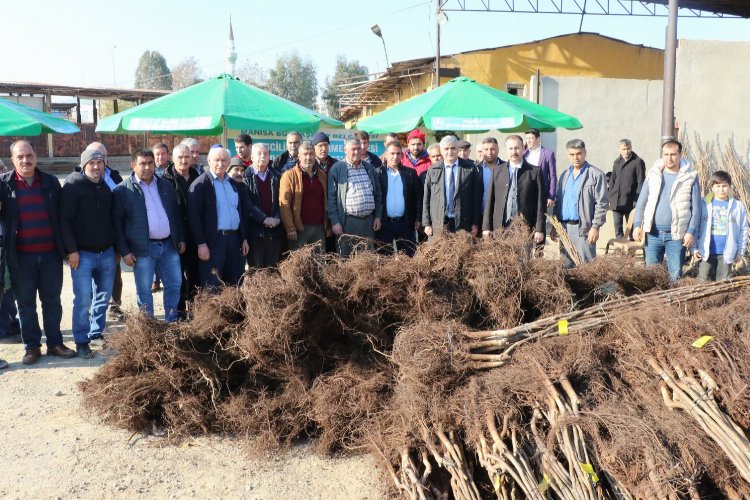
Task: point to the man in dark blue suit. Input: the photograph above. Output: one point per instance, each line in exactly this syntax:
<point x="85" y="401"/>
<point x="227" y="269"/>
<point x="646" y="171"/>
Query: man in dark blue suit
<point x="218" y="221"/>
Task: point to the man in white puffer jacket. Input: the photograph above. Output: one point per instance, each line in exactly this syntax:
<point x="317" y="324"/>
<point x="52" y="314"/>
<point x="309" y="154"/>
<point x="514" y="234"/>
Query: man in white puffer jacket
<point x="669" y="209"/>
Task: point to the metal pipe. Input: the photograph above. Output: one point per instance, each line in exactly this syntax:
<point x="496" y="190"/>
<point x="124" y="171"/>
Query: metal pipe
<point x="670" y="68"/>
<point x="437" y="45"/>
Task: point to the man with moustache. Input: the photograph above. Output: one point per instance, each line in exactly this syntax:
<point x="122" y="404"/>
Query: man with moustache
<point x="33" y="250"/>
<point x="217" y="217"/>
<point x="89" y="238"/>
<point x="263" y="210"/>
<point x="288" y="158"/>
<point x="581" y="203"/>
<point x="149" y="233"/>
<point x="303" y="201"/>
<point x="181" y="175"/>
<point x="402" y="203"/>
<point x="354" y="199"/>
<point x="195" y="153"/>
<point x="452" y="193"/>
<point x="112" y="177"/>
<point x="322" y="143"/>
<point x="516" y="188"/>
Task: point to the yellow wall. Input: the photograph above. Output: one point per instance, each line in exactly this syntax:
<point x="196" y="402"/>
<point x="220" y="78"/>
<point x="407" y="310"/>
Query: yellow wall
<point x="580" y="54"/>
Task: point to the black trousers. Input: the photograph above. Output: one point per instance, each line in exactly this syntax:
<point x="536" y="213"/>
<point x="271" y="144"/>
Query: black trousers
<point x="399" y="230"/>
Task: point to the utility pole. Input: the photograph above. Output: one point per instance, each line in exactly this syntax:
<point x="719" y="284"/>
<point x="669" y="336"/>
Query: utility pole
<point x="670" y="68"/>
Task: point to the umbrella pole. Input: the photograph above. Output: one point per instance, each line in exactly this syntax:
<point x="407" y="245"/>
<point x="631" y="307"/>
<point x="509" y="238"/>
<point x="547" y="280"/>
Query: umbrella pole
<point x="224" y="140"/>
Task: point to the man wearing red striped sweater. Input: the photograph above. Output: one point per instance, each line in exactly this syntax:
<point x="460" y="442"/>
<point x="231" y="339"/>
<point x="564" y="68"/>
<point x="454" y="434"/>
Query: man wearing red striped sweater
<point x="33" y="250"/>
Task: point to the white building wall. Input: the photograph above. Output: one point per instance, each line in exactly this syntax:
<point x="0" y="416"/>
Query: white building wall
<point x="713" y="93"/>
<point x="610" y="110"/>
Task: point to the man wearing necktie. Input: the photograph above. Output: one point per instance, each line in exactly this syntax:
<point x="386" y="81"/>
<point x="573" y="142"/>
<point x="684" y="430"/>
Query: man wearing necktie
<point x="452" y="193"/>
<point x="516" y="188"/>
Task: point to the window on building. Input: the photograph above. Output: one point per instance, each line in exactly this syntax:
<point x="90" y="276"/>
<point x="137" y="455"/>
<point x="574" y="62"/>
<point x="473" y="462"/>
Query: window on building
<point x="518" y="89"/>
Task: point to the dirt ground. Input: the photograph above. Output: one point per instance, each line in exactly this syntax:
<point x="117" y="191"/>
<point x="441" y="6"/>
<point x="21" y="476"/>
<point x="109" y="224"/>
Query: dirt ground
<point x="50" y="448"/>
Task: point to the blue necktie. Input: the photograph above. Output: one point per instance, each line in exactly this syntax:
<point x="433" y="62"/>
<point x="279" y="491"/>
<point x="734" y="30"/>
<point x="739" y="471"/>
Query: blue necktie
<point x="451" y="188"/>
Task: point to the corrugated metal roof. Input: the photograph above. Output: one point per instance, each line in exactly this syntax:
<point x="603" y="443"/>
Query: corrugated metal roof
<point x="83" y="92"/>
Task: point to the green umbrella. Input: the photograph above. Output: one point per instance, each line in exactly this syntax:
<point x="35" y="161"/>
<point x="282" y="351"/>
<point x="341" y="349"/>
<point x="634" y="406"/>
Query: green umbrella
<point x="465" y="105"/>
<point x="211" y="107"/>
<point x="18" y="120"/>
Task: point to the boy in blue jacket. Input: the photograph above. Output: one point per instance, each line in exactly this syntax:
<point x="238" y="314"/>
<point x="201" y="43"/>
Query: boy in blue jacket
<point x="722" y="240"/>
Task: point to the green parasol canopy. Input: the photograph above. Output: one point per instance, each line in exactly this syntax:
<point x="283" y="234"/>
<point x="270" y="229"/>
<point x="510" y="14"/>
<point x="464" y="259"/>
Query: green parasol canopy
<point x="211" y="107"/>
<point x="17" y="119"/>
<point x="465" y="105"/>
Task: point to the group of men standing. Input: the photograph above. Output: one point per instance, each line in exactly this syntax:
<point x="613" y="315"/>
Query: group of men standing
<point x="193" y="226"/>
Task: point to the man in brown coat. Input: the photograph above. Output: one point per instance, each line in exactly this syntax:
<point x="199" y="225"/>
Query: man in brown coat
<point x="302" y="201"/>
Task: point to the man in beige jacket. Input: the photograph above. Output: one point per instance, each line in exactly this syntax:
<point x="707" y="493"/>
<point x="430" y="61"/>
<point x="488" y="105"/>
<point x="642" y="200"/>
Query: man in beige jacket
<point x="302" y="201"/>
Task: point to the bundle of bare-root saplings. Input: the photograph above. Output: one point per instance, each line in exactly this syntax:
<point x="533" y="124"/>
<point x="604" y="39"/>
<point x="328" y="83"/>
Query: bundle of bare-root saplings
<point x="472" y="370"/>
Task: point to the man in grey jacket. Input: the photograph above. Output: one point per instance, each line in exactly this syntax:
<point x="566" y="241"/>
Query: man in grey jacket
<point x="581" y="203"/>
<point x="354" y="199"/>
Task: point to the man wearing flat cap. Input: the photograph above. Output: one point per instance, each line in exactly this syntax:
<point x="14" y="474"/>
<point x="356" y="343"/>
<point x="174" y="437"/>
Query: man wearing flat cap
<point x="88" y="236"/>
<point x="321" y="143"/>
<point x="464" y="149"/>
<point x="416" y="155"/>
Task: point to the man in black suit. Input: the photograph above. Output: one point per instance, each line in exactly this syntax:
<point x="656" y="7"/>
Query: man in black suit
<point x="402" y="203"/>
<point x="217" y="217"/>
<point x="516" y="188"/>
<point x="452" y="193"/>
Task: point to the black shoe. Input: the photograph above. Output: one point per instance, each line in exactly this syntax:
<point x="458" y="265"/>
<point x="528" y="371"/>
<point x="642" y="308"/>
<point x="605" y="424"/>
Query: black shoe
<point x="3" y="364"/>
<point x="84" y="351"/>
<point x="117" y="313"/>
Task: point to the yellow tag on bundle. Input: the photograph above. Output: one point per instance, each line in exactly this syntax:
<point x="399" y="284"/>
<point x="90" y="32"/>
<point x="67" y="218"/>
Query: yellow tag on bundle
<point x="589" y="469"/>
<point x="702" y="341"/>
<point x="496" y="482"/>
<point x="562" y="327"/>
<point x="544" y="484"/>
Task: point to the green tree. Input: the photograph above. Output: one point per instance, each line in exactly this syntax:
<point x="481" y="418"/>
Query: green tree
<point x="106" y="107"/>
<point x="345" y="72"/>
<point x="186" y="73"/>
<point x="294" y="78"/>
<point x="153" y="72"/>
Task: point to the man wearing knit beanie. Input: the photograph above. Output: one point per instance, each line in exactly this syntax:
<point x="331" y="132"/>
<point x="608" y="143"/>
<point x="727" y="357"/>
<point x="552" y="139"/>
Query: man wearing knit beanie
<point x="321" y="143"/>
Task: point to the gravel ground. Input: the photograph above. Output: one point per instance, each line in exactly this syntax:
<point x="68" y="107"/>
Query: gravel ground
<point x="50" y="447"/>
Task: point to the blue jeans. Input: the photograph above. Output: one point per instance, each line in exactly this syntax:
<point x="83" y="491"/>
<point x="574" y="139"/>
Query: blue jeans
<point x="92" y="288"/>
<point x="39" y="273"/>
<point x="660" y="243"/>
<point x="164" y="257"/>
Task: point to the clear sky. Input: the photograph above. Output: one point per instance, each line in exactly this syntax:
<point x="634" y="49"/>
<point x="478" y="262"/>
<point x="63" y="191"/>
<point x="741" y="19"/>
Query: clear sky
<point x="98" y="43"/>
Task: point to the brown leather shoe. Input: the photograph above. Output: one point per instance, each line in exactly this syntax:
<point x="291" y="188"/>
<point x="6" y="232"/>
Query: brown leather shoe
<point x="32" y="356"/>
<point x="62" y="351"/>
